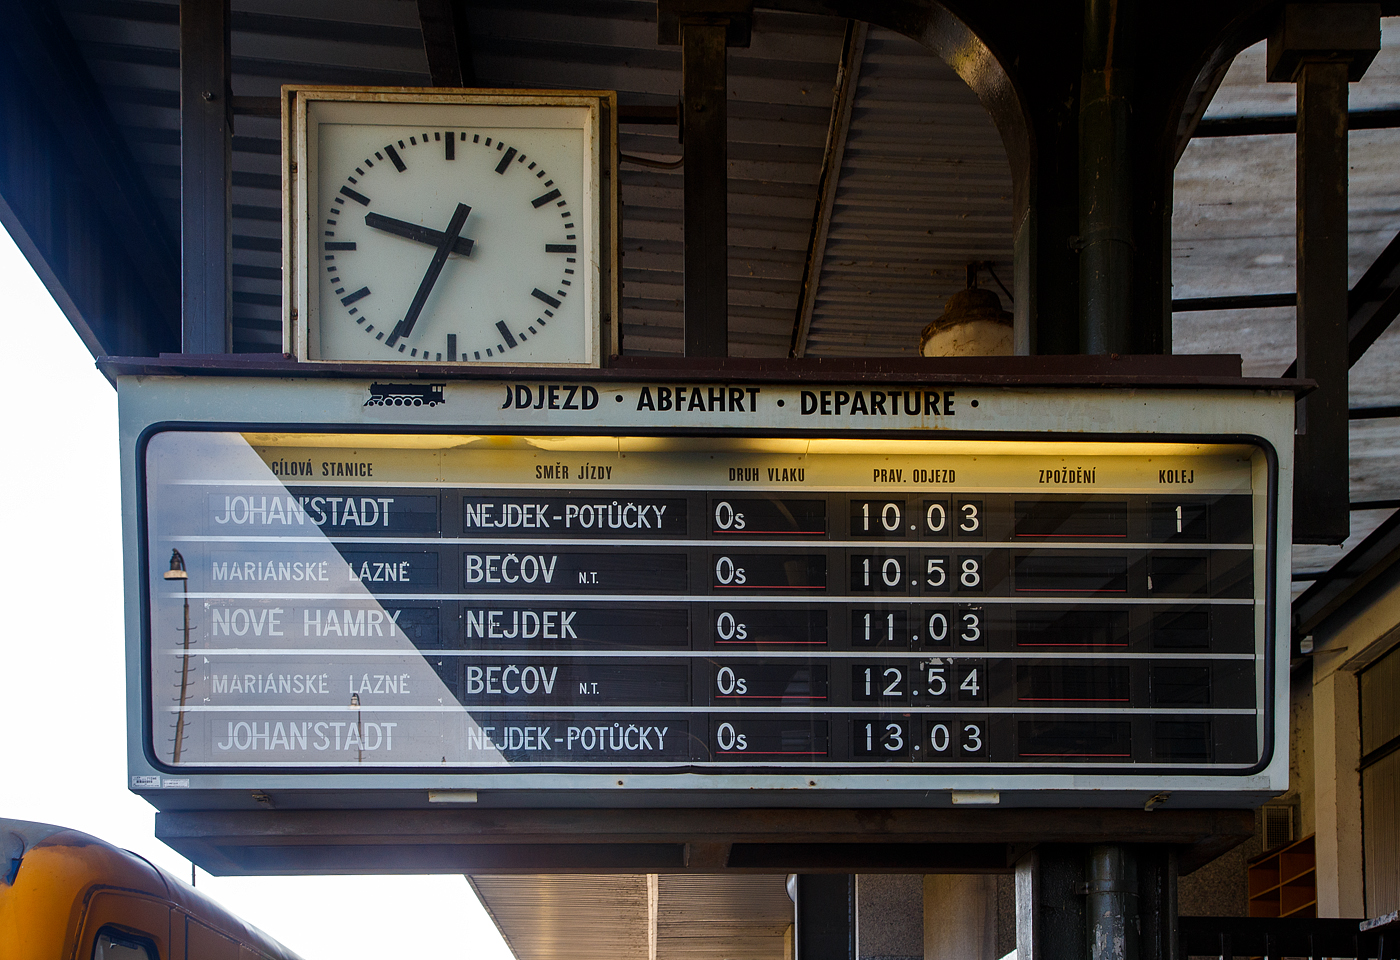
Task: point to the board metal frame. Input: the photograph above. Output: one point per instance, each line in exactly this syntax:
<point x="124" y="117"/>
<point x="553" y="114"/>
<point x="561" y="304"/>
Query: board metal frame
<point x="145" y="401"/>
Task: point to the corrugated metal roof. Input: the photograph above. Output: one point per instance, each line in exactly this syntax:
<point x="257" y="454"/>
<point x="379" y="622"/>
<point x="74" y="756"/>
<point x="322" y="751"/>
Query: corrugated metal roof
<point x="576" y="917"/>
<point x="780" y="92"/>
<point x="699" y="917"/>
<point x="925" y="187"/>
<point x="132" y="49"/>
<point x="780" y="100"/>
<point x="730" y="917"/>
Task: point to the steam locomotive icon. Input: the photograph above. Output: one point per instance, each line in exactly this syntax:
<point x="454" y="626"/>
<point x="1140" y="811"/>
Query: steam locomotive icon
<point x="405" y="395"/>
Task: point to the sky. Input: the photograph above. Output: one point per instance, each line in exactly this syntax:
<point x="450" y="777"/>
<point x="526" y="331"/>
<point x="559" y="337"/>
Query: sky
<point x="62" y="747"/>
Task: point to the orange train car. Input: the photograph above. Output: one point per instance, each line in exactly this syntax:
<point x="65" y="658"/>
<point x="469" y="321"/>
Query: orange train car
<point x="65" y="895"/>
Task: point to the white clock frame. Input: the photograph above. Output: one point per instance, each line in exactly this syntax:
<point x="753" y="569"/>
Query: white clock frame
<point x="305" y="107"/>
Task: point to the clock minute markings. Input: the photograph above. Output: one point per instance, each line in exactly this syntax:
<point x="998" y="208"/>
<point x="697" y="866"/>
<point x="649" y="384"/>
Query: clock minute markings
<point x="394" y="157"/>
<point x="505" y="332"/>
<point x="453" y="242"/>
<point x="539" y="294"/>
<point x="359" y="198"/>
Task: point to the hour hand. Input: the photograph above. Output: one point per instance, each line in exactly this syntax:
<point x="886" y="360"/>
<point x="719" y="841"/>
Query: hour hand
<point x="412" y="231"/>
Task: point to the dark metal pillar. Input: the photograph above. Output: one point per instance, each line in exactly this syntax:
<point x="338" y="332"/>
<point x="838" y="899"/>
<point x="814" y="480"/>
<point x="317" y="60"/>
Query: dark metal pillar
<point x="1102" y="902"/>
<point x="825" y="927"/>
<point x="1319" y="47"/>
<point x="1050" y="904"/>
<point x="706" y="145"/>
<point x="1111" y="903"/>
<point x="447" y="42"/>
<point x="1157" y="907"/>
<point x="1105" y="180"/>
<point x="1322" y="502"/>
<point x="206" y="162"/>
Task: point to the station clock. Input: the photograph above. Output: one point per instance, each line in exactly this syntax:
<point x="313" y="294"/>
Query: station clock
<point x="424" y="226"/>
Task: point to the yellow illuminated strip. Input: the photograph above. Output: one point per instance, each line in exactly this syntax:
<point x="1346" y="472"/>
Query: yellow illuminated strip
<point x="758" y="463"/>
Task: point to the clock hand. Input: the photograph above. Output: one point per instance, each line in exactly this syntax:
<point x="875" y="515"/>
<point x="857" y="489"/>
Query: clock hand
<point x="412" y="231"/>
<point x="425" y="287"/>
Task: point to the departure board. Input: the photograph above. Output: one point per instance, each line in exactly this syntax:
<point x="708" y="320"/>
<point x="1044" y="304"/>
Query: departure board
<point x="438" y="601"/>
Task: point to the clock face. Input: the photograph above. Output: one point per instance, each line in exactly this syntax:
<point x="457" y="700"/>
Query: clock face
<point x="451" y="244"/>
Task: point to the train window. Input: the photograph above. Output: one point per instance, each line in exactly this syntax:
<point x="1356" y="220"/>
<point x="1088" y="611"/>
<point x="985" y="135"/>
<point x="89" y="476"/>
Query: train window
<point x="111" y="945"/>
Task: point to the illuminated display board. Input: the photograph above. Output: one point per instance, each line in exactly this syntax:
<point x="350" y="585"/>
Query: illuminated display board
<point x="624" y="600"/>
<point x="921" y="608"/>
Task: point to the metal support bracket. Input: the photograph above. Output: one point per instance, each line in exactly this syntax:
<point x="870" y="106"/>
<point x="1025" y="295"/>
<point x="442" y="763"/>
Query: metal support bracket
<point x="206" y="175"/>
<point x="736" y="15"/>
<point x="1321" y="48"/>
<point x="705" y="29"/>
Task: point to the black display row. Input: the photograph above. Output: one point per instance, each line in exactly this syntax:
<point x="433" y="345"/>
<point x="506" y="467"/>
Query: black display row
<point x="540" y="681"/>
<point x="1170" y="517"/>
<point x="911" y="738"/>
<point x="655" y="571"/>
<point x="996" y="626"/>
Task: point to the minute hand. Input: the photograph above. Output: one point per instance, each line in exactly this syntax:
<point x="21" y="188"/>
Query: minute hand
<point x="405" y="326"/>
<point x="412" y="231"/>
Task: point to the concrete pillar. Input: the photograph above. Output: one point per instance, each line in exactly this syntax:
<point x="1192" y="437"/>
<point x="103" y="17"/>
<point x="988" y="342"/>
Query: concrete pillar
<point x="960" y="917"/>
<point x="889" y="917"/>
<point x="653" y="912"/>
<point x="1337" y="806"/>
